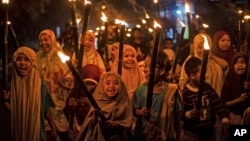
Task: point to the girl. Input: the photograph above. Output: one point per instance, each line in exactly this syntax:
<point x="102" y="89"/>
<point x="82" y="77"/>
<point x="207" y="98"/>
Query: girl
<point x="130" y="69"/>
<point x="90" y="55"/>
<point x="30" y="101"/>
<point x="233" y="92"/>
<point x="164" y="121"/>
<point x="112" y="98"/>
<point x="56" y="75"/>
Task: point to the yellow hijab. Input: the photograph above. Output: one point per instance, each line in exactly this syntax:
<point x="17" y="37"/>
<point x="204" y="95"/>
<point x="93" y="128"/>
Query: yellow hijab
<point x="25" y="101"/>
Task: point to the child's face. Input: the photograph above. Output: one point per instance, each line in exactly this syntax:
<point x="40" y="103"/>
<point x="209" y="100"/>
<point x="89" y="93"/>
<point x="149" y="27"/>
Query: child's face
<point x="129" y="58"/>
<point x="88" y="43"/>
<point x="224" y="43"/>
<point x="111" y="86"/>
<point x="114" y="51"/>
<point x="200" y="49"/>
<point x="147" y="70"/>
<point x="195" y="77"/>
<point x="90" y="85"/>
<point x="169" y="44"/>
<point x="240" y="66"/>
<point x="23" y="65"/>
<point x="45" y="42"/>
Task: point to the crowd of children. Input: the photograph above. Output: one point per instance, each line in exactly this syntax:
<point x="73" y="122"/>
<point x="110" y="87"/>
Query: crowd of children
<point x="43" y="87"/>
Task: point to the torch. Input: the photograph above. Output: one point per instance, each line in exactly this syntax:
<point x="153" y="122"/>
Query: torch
<point x="79" y="79"/>
<point x="203" y="72"/>
<point x="84" y="30"/>
<point x="74" y="25"/>
<point x="121" y="42"/>
<point x="239" y="30"/>
<point x="157" y="39"/>
<point x="178" y="46"/>
<point x="105" y="36"/>
<point x="5" y="49"/>
<point x="190" y="29"/>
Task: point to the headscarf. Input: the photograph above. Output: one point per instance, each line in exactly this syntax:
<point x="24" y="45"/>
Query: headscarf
<point x="58" y="78"/>
<point x="127" y="74"/>
<point x="91" y="56"/>
<point x="198" y="39"/>
<point x="91" y="72"/>
<point x="233" y="86"/>
<point x="26" y="100"/>
<point x="44" y="58"/>
<point x="226" y="55"/>
<point x="117" y="109"/>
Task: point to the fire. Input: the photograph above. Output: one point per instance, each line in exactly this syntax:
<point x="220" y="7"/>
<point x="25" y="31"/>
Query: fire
<point x="87" y="2"/>
<point x="5" y="1"/>
<point x="182" y="24"/>
<point x="206" y="45"/>
<point x="156" y="25"/>
<point x="104" y="17"/>
<point x="63" y="57"/>
<point x="117" y="21"/>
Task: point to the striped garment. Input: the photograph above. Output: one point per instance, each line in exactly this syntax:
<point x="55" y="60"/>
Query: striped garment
<point x="210" y="106"/>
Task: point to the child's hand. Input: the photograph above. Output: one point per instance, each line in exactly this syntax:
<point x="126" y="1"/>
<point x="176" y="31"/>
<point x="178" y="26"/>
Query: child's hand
<point x="144" y="112"/>
<point x="195" y="113"/>
<point x="83" y="101"/>
<point x="243" y="97"/>
<point x="72" y="101"/>
<point x="246" y="85"/>
<point x="109" y="124"/>
<point x="5" y="95"/>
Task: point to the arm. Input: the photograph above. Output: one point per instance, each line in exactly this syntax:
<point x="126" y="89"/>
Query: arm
<point x="5" y="98"/>
<point x="243" y="97"/>
<point x="48" y="117"/>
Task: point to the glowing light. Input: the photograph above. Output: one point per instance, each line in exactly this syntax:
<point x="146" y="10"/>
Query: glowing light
<point x="187" y="8"/>
<point x="205" y="25"/>
<point x="138" y="26"/>
<point x="104" y="17"/>
<point x="87" y="2"/>
<point x="143" y="21"/>
<point x="63" y="57"/>
<point x="5" y="1"/>
<point x="117" y="21"/>
<point x="182" y="24"/>
<point x="156" y="25"/>
<point x="206" y="45"/>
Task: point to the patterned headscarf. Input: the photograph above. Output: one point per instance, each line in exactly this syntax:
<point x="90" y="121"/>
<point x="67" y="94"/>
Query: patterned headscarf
<point x="25" y="100"/>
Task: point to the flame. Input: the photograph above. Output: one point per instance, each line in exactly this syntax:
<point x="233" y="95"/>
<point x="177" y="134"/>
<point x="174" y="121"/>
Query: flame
<point x="205" y="25"/>
<point x="117" y="21"/>
<point x="147" y="16"/>
<point x="155" y="1"/>
<point x="63" y="57"/>
<point x="5" y="1"/>
<point x="156" y="25"/>
<point x="247" y="17"/>
<point x="187" y="8"/>
<point x="182" y="24"/>
<point x="143" y="21"/>
<point x="104" y="17"/>
<point x="87" y="2"/>
<point x="206" y="45"/>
